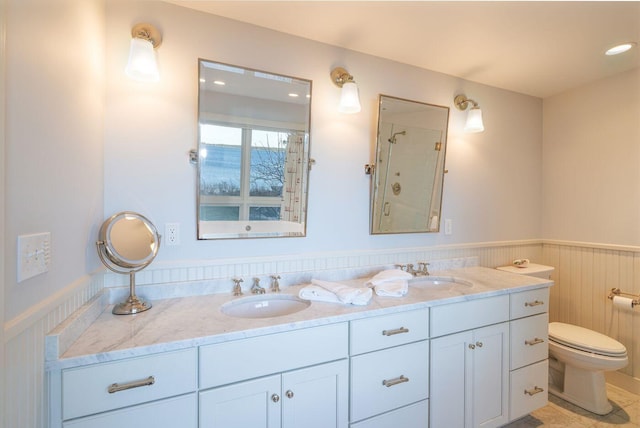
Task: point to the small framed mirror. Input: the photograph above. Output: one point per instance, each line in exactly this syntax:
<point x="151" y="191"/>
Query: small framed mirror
<point x="128" y="242"/>
<point x="408" y="173"/>
<point x="253" y="153"/>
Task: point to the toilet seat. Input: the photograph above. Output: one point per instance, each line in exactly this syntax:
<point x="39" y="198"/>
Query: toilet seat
<point x="585" y="340"/>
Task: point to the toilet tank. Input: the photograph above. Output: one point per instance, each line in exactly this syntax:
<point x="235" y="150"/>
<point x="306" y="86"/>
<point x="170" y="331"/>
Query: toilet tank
<point x="532" y="269"/>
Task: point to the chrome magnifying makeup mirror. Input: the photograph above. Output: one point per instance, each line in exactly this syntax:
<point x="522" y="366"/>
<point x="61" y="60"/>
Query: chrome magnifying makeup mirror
<point x="128" y="242"/>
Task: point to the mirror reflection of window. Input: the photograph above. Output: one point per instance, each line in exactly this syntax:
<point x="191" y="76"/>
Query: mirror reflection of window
<point x="243" y="172"/>
<point x="253" y="152"/>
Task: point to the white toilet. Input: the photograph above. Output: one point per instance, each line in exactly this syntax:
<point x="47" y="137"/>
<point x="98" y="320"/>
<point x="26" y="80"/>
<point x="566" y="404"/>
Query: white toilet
<point x="578" y="358"/>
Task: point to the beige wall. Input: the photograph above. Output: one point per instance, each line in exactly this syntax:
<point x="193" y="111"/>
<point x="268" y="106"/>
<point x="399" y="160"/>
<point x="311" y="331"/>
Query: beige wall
<point x="591" y="179"/>
<point x="591" y="206"/>
<point x="54" y="141"/>
<point x="492" y="191"/>
<point x="3" y="24"/>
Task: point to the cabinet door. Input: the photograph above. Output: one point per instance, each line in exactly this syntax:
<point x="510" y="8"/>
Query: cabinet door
<point x="254" y="403"/>
<point x="448" y="397"/>
<point x="490" y="373"/>
<point x="315" y="397"/>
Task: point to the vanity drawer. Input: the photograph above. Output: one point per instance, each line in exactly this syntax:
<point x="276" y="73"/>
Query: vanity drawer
<point x="412" y="416"/>
<point x="529" y="303"/>
<point x="171" y="412"/>
<point x="529" y="340"/>
<point x="447" y="319"/>
<point x="85" y="390"/>
<point x="385" y="331"/>
<point x="229" y="362"/>
<point x="388" y="379"/>
<point x="528" y="389"/>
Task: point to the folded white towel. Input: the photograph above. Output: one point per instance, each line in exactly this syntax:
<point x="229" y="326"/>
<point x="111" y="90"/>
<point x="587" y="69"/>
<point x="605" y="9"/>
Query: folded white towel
<point x="326" y="291"/>
<point x="389" y="275"/>
<point x="396" y="288"/>
<point x="318" y="294"/>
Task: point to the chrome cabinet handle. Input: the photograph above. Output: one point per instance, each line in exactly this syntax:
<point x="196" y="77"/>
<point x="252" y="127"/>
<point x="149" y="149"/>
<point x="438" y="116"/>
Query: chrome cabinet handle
<point x="534" y="391"/>
<point x="116" y="387"/>
<point x="535" y="341"/>
<point x="534" y="303"/>
<point x="289" y="394"/>
<point x="395" y="331"/>
<point x="275" y="398"/>
<point x="472" y="346"/>
<point x="479" y="344"/>
<point x="396" y="381"/>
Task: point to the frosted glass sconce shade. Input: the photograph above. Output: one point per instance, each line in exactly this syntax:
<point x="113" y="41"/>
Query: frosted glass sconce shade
<point x="474" y="121"/>
<point x="474" y="116"/>
<point x="142" y="64"/>
<point x="349" y="98"/>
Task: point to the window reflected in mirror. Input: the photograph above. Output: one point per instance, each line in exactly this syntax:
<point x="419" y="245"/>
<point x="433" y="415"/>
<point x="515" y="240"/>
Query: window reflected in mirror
<point x="253" y="153"/>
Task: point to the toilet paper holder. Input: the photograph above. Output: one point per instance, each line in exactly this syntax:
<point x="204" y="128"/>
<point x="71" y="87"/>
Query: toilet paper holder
<point x="617" y="292"/>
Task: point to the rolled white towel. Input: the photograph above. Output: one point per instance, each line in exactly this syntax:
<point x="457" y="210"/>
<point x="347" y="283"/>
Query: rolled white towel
<point x="389" y="275"/>
<point x="398" y="288"/>
<point x="344" y="294"/>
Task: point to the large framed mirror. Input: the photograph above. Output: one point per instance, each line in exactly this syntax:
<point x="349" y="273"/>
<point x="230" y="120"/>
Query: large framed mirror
<point x="408" y="173"/>
<point x="253" y="153"/>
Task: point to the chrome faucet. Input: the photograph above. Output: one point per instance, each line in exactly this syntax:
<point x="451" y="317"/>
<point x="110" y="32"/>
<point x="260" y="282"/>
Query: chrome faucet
<point x="275" y="285"/>
<point x="237" y="289"/>
<point x="255" y="288"/>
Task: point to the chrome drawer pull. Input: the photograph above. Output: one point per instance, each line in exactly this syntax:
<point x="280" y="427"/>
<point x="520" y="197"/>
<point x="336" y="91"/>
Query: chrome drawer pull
<point x="534" y="391"/>
<point x="396" y="381"/>
<point x="534" y="341"/>
<point x="396" y="331"/>
<point x="534" y="303"/>
<point x="116" y="387"/>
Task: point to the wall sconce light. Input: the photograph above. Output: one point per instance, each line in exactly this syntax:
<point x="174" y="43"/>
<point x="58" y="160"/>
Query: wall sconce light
<point x="142" y="63"/>
<point x="474" y="116"/>
<point x="349" y="99"/>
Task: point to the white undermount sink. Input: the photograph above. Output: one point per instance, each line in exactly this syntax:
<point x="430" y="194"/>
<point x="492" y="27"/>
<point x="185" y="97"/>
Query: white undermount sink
<point x="440" y="282"/>
<point x="264" y="306"/>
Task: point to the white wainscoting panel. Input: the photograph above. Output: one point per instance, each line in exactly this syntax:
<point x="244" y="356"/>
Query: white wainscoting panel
<point x="584" y="276"/>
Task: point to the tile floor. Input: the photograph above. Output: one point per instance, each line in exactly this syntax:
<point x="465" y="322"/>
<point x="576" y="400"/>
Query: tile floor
<point x="559" y="413"/>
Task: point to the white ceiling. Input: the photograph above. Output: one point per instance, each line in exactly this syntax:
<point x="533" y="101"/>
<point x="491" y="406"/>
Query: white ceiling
<point x="536" y="48"/>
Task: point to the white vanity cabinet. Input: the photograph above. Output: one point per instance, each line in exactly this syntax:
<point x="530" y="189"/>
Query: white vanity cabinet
<point x="529" y="351"/>
<point x="390" y="370"/>
<point x="470" y="364"/>
<point x="297" y="379"/>
<point x="136" y="389"/>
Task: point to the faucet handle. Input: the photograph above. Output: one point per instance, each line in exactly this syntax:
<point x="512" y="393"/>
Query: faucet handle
<point x="423" y="267"/>
<point x="275" y="285"/>
<point x="401" y="267"/>
<point x="237" y="289"/>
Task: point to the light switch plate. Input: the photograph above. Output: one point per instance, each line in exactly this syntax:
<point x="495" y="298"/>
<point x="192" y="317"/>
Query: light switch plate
<point x="34" y="255"/>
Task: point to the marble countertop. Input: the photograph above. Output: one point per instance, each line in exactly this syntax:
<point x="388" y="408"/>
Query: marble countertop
<point x="178" y="323"/>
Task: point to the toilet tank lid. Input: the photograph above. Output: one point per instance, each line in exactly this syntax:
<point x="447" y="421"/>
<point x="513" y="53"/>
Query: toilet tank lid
<point x="531" y="269"/>
<point x="583" y="338"/>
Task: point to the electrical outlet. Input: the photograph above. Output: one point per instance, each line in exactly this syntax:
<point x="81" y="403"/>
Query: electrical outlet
<point x="448" y="226"/>
<point x="34" y="255"/>
<point x="172" y="233"/>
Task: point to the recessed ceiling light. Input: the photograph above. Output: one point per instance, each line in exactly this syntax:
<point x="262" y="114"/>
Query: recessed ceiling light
<point x="619" y="49"/>
<point x="293" y="95"/>
<point x="219" y="82"/>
